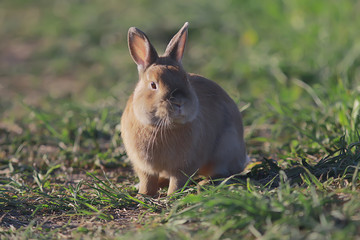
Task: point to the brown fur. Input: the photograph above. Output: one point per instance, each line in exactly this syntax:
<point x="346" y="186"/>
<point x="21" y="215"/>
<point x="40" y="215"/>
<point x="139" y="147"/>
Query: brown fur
<point x="187" y="124"/>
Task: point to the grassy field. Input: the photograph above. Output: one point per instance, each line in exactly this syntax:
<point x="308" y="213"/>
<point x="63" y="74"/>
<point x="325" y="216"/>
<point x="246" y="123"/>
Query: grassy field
<point x="292" y="66"/>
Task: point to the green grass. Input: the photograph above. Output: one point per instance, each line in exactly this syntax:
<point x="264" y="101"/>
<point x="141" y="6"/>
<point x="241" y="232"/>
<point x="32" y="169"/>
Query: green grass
<point x="65" y="76"/>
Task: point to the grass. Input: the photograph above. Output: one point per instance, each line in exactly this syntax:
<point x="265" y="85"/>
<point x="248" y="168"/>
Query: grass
<point x="65" y="75"/>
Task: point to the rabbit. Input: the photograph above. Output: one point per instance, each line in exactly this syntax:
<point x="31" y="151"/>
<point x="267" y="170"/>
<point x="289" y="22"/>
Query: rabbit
<point x="176" y="124"/>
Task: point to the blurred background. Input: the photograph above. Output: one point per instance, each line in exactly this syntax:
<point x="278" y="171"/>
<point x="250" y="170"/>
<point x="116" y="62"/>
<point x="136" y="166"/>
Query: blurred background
<point x="292" y="66"/>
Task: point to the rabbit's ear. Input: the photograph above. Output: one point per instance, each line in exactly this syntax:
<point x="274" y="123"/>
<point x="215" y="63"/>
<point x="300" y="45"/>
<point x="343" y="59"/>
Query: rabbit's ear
<point x="141" y="50"/>
<point x="175" y="48"/>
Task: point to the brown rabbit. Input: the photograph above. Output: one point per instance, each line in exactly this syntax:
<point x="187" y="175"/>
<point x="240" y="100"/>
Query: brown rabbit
<point x="176" y="123"/>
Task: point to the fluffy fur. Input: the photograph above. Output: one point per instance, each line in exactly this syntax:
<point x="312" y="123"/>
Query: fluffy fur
<point x="176" y="123"/>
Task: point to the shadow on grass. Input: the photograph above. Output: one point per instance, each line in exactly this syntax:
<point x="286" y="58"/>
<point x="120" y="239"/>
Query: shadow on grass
<point x="343" y="162"/>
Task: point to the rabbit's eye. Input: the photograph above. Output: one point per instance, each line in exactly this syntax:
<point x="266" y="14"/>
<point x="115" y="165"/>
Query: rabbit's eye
<point x="153" y="85"/>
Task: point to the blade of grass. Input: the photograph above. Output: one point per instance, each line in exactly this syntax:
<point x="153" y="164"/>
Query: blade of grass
<point x="42" y="117"/>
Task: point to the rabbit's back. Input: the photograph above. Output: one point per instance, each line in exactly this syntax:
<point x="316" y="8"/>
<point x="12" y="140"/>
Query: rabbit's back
<point x="221" y="128"/>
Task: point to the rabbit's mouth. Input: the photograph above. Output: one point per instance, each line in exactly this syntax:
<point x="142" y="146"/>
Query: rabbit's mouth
<point x="172" y="114"/>
<point x="178" y="114"/>
<point x="172" y="118"/>
<point x="183" y="112"/>
<point x="181" y="119"/>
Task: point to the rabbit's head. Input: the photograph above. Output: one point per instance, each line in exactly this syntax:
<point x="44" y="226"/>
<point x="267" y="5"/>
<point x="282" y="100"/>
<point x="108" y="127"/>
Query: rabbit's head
<point x="163" y="96"/>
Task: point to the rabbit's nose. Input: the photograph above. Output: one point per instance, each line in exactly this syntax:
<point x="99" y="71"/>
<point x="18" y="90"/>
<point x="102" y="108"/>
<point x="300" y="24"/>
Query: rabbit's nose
<point x="178" y="105"/>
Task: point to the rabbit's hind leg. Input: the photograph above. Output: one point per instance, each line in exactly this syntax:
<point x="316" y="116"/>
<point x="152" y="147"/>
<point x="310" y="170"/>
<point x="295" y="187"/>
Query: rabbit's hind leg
<point x="230" y="155"/>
